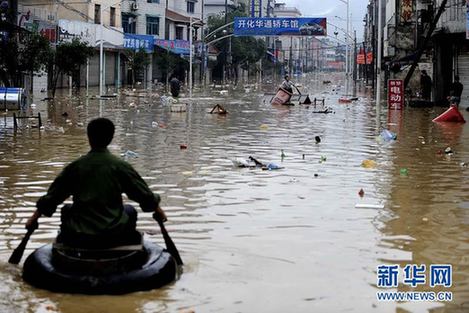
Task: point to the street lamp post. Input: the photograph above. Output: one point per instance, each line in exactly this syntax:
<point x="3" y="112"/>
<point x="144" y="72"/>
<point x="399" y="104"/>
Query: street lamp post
<point x="190" y="57"/>
<point x="347" y="41"/>
<point x="101" y="53"/>
<point x="378" y="70"/>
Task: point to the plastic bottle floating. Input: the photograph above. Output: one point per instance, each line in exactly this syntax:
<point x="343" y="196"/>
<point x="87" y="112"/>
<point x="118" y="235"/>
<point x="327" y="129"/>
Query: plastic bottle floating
<point x="388" y="135"/>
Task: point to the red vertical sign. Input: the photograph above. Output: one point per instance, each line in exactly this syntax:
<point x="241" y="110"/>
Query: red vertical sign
<point x="395" y="94"/>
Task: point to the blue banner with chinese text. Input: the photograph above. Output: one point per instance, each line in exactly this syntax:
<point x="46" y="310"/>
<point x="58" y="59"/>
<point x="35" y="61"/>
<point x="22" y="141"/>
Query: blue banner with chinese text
<point x="277" y="26"/>
<point x="137" y="42"/>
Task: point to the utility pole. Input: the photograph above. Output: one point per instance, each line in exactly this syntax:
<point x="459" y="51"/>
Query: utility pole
<point x="378" y="71"/>
<point x="354" y="56"/>
<point x="365" y="72"/>
<point x="291" y="57"/>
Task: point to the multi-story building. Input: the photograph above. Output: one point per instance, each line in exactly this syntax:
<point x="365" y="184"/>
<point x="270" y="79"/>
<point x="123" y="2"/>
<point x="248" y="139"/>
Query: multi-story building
<point x="451" y="48"/>
<point x="443" y="53"/>
<point x="82" y="19"/>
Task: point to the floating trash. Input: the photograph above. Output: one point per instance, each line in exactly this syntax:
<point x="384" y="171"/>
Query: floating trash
<point x="361" y="193"/>
<point x="323" y="159"/>
<point x="272" y="166"/>
<point x="369" y="164"/>
<point x="448" y="150"/>
<point x="369" y="206"/>
<point x="388" y="135"/>
<point x="404" y="172"/>
<point x="317" y="139"/>
<point x="129" y="154"/>
<point x="154" y="124"/>
<point x="264" y="127"/>
<point x="183" y="146"/>
<point x="179" y="108"/>
<point x="239" y="162"/>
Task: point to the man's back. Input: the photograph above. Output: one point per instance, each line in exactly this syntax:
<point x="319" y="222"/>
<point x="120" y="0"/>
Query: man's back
<point x="96" y="181"/>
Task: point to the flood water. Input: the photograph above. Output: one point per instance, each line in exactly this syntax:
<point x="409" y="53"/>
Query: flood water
<point x="288" y="240"/>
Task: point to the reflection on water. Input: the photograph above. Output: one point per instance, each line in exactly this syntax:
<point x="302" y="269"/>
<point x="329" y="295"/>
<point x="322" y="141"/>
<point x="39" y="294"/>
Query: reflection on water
<point x="258" y="241"/>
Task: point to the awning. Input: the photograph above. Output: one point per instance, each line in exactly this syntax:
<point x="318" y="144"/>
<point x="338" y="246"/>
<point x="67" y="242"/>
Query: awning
<point x="180" y="18"/>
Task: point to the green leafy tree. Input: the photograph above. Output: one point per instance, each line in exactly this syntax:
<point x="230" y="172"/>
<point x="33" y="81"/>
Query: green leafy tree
<point x="170" y="63"/>
<point x="68" y="58"/>
<point x="137" y="61"/>
<point x="244" y="50"/>
<point x="29" y="54"/>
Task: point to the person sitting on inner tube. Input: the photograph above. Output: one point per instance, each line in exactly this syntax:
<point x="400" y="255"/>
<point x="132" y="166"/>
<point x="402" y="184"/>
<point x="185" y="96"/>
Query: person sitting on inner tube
<point x="98" y="218"/>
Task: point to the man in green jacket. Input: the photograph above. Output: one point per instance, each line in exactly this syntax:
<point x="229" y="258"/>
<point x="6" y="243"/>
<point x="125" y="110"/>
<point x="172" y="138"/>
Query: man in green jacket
<point x="97" y="217"/>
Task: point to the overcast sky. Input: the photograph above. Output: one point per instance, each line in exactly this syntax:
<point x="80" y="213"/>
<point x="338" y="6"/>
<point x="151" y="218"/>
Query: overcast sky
<point x="332" y="8"/>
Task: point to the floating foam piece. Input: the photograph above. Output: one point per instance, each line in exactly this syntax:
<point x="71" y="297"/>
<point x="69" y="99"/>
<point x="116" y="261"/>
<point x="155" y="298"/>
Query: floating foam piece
<point x="369" y="206"/>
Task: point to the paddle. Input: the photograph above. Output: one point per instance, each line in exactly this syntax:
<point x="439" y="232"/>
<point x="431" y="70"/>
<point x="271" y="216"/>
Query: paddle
<point x="17" y="254"/>
<point x="168" y="241"/>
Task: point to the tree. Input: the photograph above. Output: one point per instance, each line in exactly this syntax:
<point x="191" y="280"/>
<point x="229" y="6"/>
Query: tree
<point x="30" y="54"/>
<point x="244" y="50"/>
<point x="67" y="59"/>
<point x="170" y="63"/>
<point x="137" y="61"/>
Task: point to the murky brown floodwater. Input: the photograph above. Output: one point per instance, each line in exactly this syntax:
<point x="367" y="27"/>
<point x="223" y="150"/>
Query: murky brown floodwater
<point x="253" y="240"/>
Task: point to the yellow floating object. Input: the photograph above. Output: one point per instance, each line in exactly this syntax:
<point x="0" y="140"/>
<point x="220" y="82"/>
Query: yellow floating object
<point x="264" y="126"/>
<point x="369" y="164"/>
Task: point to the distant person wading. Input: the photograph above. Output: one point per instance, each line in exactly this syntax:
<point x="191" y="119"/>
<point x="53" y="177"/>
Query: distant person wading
<point x="175" y="86"/>
<point x="456" y="89"/>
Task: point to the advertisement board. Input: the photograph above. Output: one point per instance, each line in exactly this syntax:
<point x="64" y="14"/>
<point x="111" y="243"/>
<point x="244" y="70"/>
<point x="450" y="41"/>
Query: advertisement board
<point x="276" y="26"/>
<point x="395" y="94"/>
<point x="175" y="46"/>
<point x="137" y="42"/>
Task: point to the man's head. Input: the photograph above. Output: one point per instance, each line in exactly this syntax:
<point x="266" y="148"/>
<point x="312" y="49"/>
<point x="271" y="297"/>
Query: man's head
<point x="100" y="132"/>
<point x="424" y="72"/>
<point x="287" y="77"/>
<point x="456" y="78"/>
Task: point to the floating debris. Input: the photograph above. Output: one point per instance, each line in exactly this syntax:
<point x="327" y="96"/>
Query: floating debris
<point x="369" y="164"/>
<point x="129" y="154"/>
<point x="369" y="206"/>
<point x="361" y="193"/>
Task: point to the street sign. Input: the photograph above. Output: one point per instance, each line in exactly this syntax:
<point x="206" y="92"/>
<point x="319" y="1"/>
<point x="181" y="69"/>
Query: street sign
<point x="137" y="42"/>
<point x="175" y="46"/>
<point x="361" y="58"/>
<point x="277" y="26"/>
<point x="395" y="94"/>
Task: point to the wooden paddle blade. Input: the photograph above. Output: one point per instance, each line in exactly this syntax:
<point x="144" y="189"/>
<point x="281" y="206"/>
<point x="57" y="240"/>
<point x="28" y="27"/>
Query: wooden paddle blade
<point x="17" y="254"/>
<point x="170" y="246"/>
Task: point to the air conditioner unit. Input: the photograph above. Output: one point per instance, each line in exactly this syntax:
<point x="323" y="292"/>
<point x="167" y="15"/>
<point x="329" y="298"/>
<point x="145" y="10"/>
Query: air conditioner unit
<point x="134" y="6"/>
